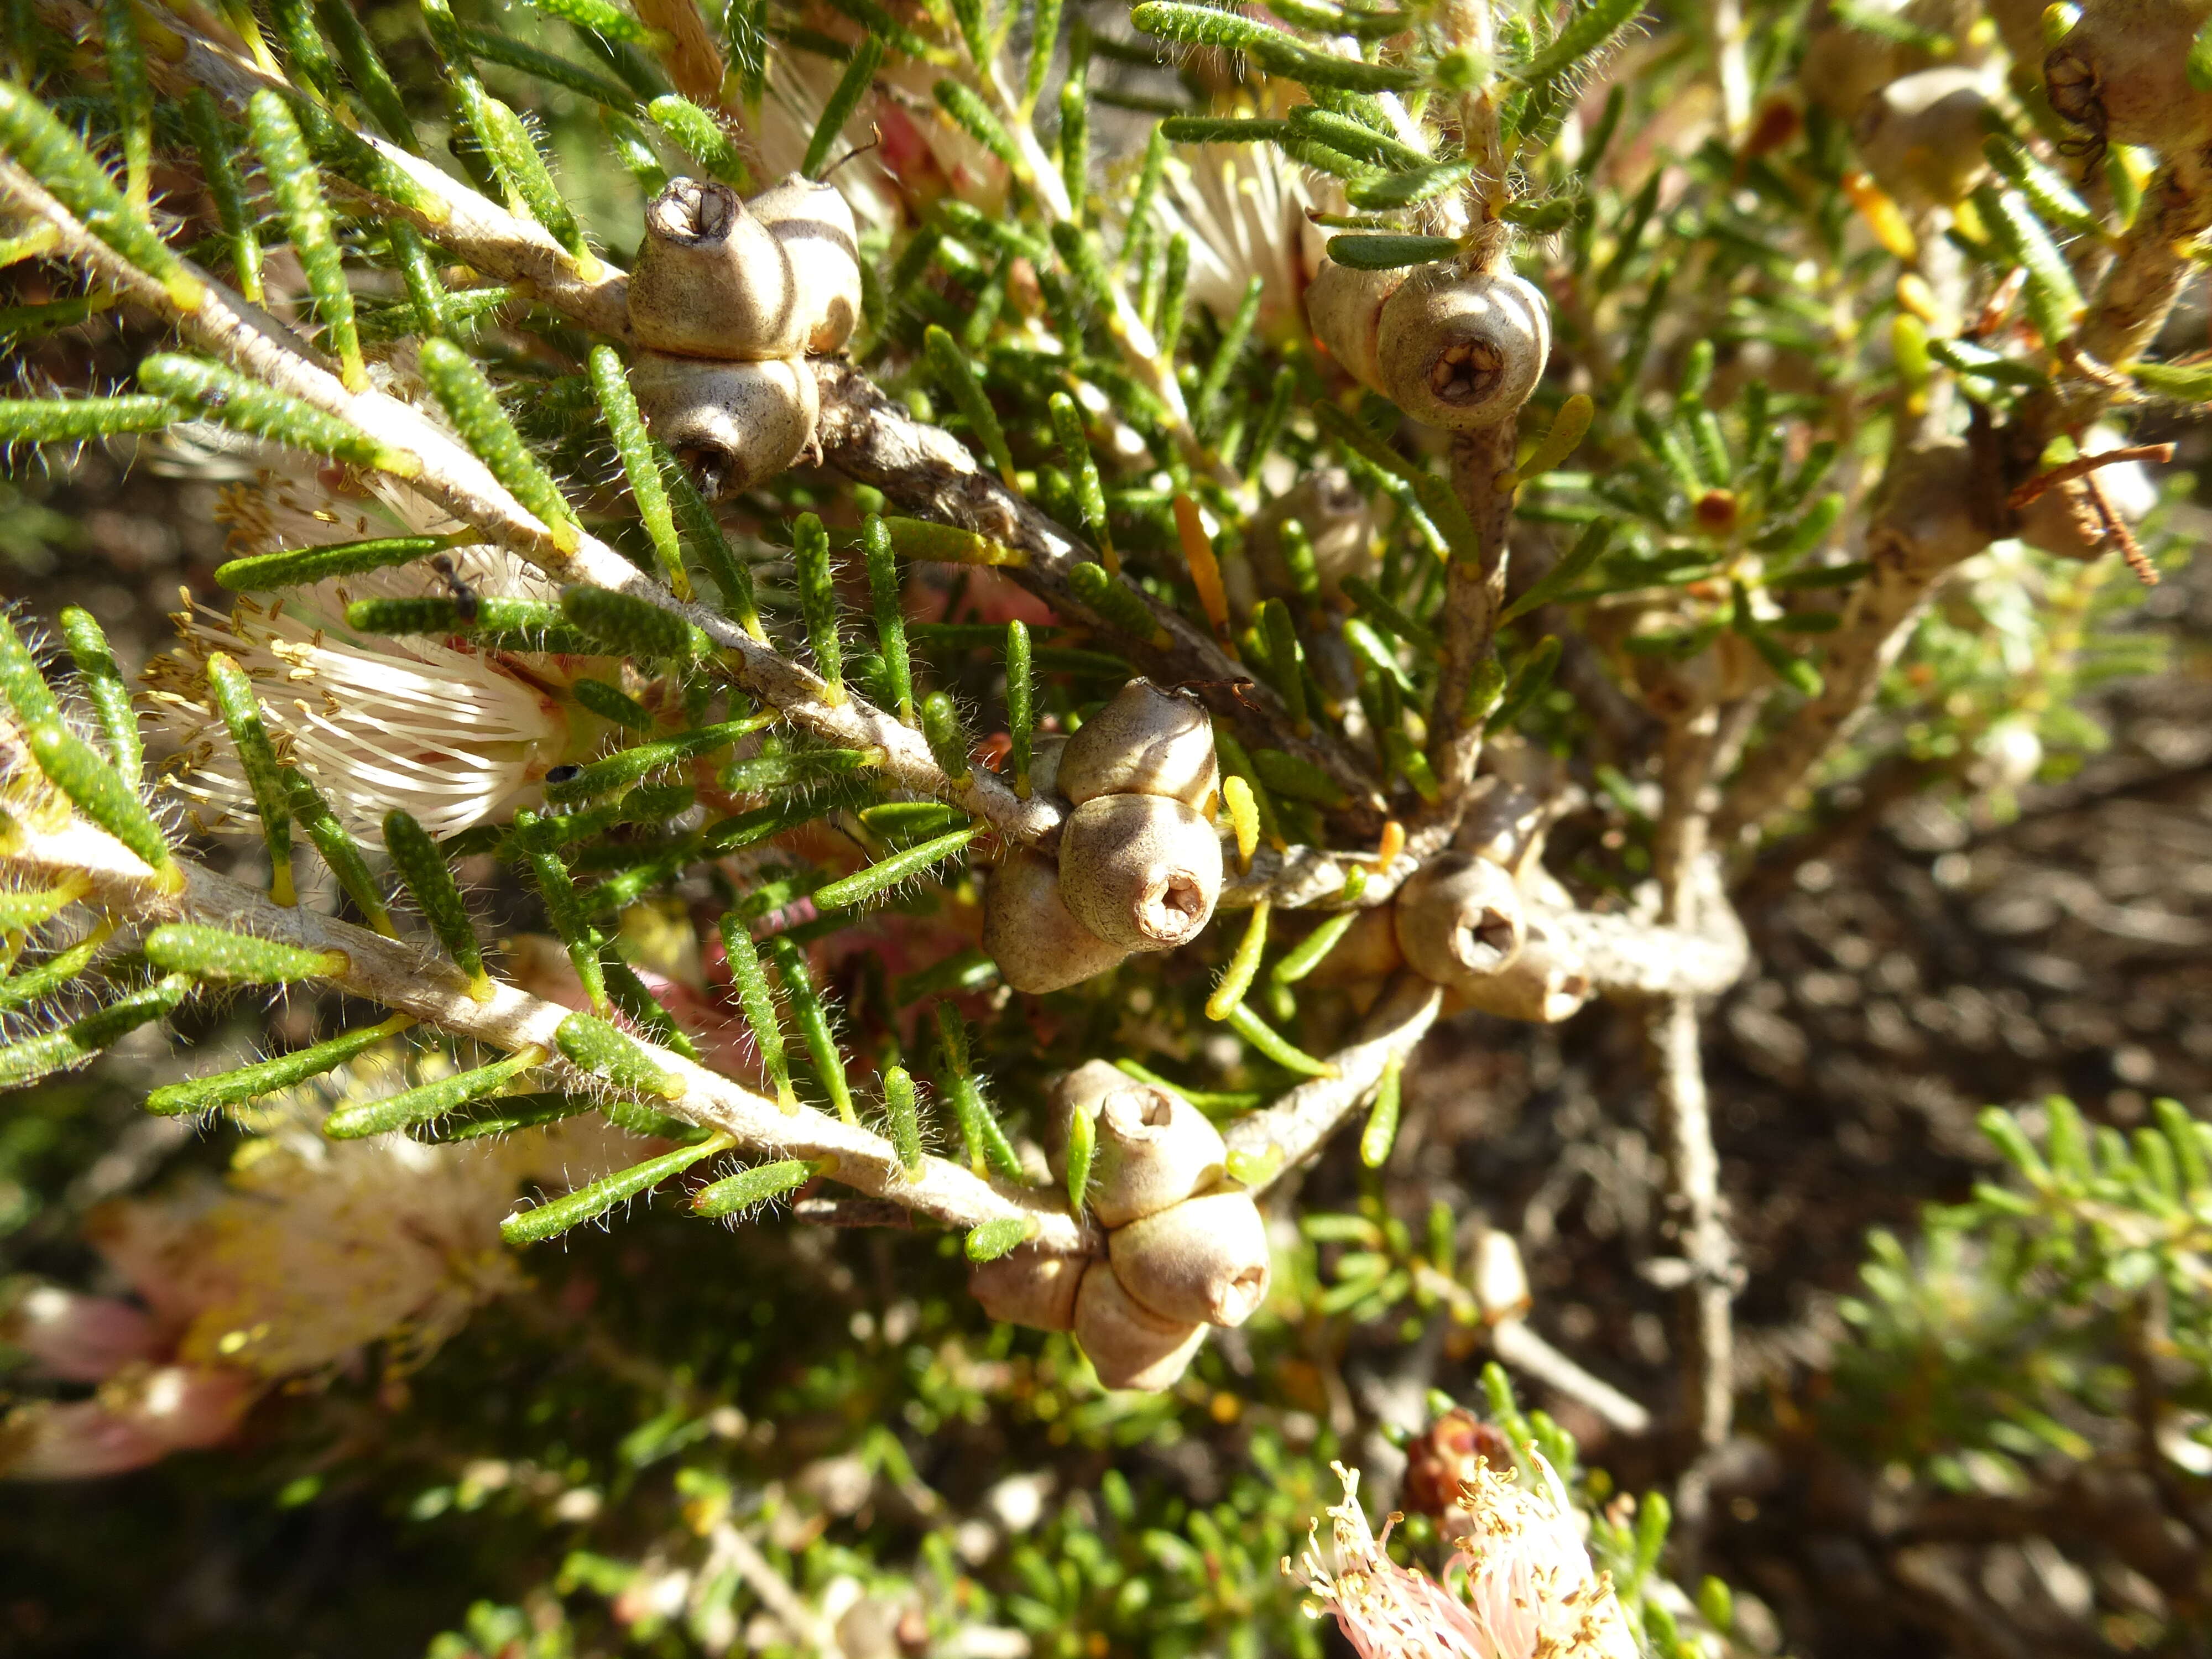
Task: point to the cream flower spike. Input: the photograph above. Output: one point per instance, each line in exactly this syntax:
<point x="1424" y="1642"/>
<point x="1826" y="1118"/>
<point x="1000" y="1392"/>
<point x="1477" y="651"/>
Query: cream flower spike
<point x="1244" y="209"/>
<point x="453" y="735"/>
<point x="1384" y="1610"/>
<point x="1530" y="1586"/>
<point x="1531" y="1590"/>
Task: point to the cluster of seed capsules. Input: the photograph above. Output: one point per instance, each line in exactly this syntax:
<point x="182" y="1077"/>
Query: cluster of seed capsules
<point x="729" y="298"/>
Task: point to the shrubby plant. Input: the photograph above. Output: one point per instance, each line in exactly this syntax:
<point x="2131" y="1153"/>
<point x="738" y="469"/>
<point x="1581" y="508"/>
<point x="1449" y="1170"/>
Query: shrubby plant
<point x="974" y="622"/>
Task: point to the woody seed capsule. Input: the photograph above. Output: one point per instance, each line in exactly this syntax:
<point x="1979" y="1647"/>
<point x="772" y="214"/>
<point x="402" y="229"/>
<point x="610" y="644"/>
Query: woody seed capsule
<point x="738" y="423"/>
<point x="1029" y="1286"/>
<point x="1545" y="983"/>
<point x="712" y="280"/>
<point x="2122" y="72"/>
<point x="1205" y="1259"/>
<point x="1129" y="1345"/>
<point x="1153" y="1149"/>
<point x="1027" y="930"/>
<point x="1142" y="872"/>
<point x="1147" y="741"/>
<point x="1459" y="920"/>
<point x="1345" y="307"/>
<point x="821" y="245"/>
<point x="1462" y="351"/>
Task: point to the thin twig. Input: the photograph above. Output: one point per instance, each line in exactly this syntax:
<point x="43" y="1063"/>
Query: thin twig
<point x="1695" y="1214"/>
<point x="2116" y="528"/>
<point x="1296" y="1124"/>
<point x="401" y="977"/>
<point x="775" y="1590"/>
<point x="2082" y="465"/>
<point x="1474" y="593"/>
<point x="1520" y="1347"/>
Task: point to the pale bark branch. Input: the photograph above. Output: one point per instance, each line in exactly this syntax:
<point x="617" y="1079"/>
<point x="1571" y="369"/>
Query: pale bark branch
<point x="1298" y="1122"/>
<point x="1519" y="1346"/>
<point x="458" y="481"/>
<point x="408" y="979"/>
<point x="1695" y="1214"/>
<point x="1627" y="957"/>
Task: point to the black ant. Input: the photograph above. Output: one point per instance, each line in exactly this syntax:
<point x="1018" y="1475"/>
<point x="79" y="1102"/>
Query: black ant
<point x="466" y="602"/>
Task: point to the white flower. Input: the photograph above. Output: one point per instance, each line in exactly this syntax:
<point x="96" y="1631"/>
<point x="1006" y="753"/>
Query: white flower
<point x="1244" y="207"/>
<point x="1531" y="1592"/>
<point x="1530" y="1585"/>
<point x="454" y="734"/>
<point x="307" y="1251"/>
<point x="1385" y="1611"/>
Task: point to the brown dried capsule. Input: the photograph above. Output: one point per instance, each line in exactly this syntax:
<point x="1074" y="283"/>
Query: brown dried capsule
<point x="1030" y="1287"/>
<point x="1130" y="1347"/>
<point x="1205" y="1259"/>
<point x="1147" y="741"/>
<point x="822" y="244"/>
<point x="1460" y="920"/>
<point x="1463" y="352"/>
<point x="1345" y="307"/>
<point x="1548" y="981"/>
<point x="1152" y="1149"/>
<point x="737" y="423"/>
<point x="2123" y="72"/>
<point x="712" y="281"/>
<point x="1921" y="137"/>
<point x="1027" y="931"/>
<point x="1142" y="872"/>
